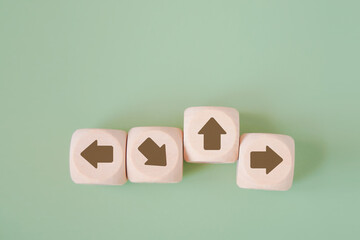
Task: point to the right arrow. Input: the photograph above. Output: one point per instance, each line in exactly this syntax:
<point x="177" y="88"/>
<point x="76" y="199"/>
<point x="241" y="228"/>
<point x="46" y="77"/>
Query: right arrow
<point x="268" y="159"/>
<point x="212" y="134"/>
<point x="156" y="155"/>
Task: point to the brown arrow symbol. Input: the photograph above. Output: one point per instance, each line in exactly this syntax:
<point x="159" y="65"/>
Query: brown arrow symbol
<point x="95" y="154"/>
<point x="268" y="159"/>
<point x="156" y="155"/>
<point x="212" y="135"/>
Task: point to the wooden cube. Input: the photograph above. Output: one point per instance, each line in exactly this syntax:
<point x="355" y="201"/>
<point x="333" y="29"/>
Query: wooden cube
<point x="266" y="161"/>
<point x="155" y="154"/>
<point x="211" y="134"/>
<point x="97" y="156"/>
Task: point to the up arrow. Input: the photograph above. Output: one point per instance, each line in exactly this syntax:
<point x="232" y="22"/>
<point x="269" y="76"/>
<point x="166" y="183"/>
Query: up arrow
<point x="212" y="134"/>
<point x="156" y="155"/>
<point x="268" y="159"/>
<point x="95" y="154"/>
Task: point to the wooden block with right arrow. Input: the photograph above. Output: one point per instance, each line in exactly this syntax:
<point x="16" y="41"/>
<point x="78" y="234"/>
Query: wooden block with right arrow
<point x="266" y="161"/>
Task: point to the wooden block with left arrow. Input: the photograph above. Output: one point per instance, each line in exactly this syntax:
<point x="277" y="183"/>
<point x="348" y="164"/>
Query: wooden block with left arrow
<point x="97" y="156"/>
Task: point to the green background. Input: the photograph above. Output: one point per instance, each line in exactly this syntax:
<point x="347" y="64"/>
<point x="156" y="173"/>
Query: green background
<point x="289" y="67"/>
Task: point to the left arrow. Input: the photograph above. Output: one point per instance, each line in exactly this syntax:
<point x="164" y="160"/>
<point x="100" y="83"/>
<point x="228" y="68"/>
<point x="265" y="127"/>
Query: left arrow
<point x="95" y="154"/>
